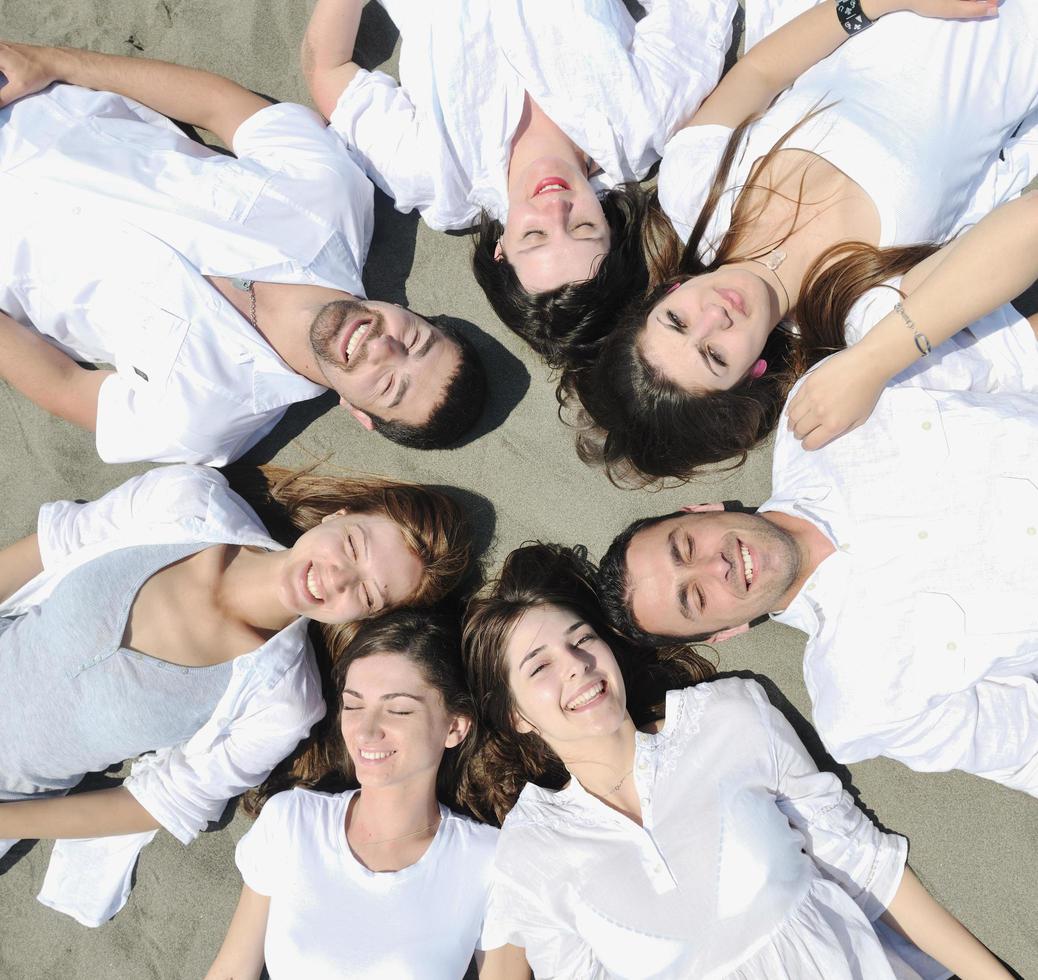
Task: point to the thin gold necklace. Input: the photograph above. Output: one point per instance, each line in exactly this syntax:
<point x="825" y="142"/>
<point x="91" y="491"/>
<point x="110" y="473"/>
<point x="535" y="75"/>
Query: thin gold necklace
<point x="415" y="833"/>
<point x="616" y="788"/>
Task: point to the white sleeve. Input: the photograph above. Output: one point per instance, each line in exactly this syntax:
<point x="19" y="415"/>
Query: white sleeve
<point x="260" y="853"/>
<point x="164" y="495"/>
<point x="378" y="122"/>
<point x="183" y="789"/>
<point x="690" y="161"/>
<point x="838" y="836"/>
<point x="990" y="729"/>
<point x="514" y="916"/>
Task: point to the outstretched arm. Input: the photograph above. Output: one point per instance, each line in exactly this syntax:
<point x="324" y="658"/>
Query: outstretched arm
<point x="327" y="51"/>
<point x="988" y="266"/>
<point x="191" y="95"/>
<point x="915" y="914"/>
<point x="771" y="66"/>
<point x="19" y="562"/>
<point x="99" y="813"/>
<point x="241" y="955"/>
<point x="48" y="376"/>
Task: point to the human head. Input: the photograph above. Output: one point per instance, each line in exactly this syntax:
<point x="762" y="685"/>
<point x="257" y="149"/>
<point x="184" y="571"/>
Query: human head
<point x="700" y="574"/>
<point x="417" y="381"/>
<point x="536" y="579"/>
<point x="643" y="427"/>
<point x="407" y="652"/>
<point x="565" y="322"/>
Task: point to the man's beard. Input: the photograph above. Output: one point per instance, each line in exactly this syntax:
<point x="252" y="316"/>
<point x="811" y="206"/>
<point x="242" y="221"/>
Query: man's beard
<point x="327" y="325"/>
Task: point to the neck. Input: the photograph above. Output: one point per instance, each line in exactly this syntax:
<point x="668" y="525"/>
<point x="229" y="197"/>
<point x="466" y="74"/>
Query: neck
<point x="386" y="812"/>
<point x="536" y="137"/>
<point x="599" y="763"/>
<point x="247" y="589"/>
<point x="813" y="547"/>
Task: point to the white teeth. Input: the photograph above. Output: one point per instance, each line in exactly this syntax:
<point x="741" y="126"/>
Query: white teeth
<point x="747" y="562"/>
<point x="587" y="696"/>
<point x="374" y="756"/>
<point x="312" y="585"/>
<point x="358" y="336"/>
<point x="551" y="187"/>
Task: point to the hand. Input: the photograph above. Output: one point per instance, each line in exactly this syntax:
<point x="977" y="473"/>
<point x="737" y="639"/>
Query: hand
<point x="946" y="9"/>
<point x="26" y="70"/>
<point x="839" y="395"/>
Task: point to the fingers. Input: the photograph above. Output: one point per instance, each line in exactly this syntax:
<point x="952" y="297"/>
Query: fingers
<point x="972" y="9"/>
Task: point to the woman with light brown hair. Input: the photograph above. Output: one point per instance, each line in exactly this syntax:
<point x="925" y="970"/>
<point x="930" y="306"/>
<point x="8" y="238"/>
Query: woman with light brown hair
<point x="165" y="618"/>
<point x="792" y="192"/>
<point x="693" y="839"/>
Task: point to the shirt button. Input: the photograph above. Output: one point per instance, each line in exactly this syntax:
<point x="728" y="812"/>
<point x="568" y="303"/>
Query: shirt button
<point x="952" y="646"/>
<point x="810" y="586"/>
<point x="1030" y="530"/>
<point x="643" y="764"/>
<point x="658" y="869"/>
<point x="923" y="535"/>
<point x="926" y="426"/>
<point x="645" y="801"/>
<point x="77" y="210"/>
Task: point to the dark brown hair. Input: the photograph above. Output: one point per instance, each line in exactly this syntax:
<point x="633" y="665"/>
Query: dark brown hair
<point x="432" y="642"/>
<point x="533" y="576"/>
<point x="642" y="427"/>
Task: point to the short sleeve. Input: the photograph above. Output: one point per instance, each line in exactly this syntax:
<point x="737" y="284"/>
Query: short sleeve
<point x="690" y="161"/>
<point x="866" y="862"/>
<point x="290" y="139"/>
<point x="377" y="120"/>
<point x="259" y="853"/>
<point x="870" y="308"/>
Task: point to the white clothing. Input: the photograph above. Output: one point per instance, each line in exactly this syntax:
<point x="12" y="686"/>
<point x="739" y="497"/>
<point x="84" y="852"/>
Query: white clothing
<point x="331" y="917"/>
<point x="441" y="139"/>
<point x="750" y="862"/>
<point x="272" y="699"/>
<point x="922" y="626"/>
<point x="118" y="216"/>
<point x="921" y="136"/>
<point x="999" y="352"/>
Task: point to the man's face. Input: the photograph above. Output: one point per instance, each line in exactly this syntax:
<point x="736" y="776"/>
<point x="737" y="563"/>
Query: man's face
<point x="383" y="360"/>
<point x="707" y="572"/>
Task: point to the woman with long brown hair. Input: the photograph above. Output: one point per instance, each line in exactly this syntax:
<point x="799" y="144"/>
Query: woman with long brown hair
<point x="694" y="838"/>
<point x="790" y="213"/>
<point x="165" y="618"/>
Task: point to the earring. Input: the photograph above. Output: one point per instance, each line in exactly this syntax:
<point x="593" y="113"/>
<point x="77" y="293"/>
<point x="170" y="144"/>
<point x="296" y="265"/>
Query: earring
<point x="758" y="369"/>
<point x="672" y="288"/>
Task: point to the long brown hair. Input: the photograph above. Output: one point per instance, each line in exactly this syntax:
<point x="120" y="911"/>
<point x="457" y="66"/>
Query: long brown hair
<point x="644" y="428"/>
<point x="505" y="760"/>
<point x="432" y="642"/>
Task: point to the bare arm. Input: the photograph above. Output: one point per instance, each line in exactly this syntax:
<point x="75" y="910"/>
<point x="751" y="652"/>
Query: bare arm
<point x="327" y="51"/>
<point x="988" y="266"/>
<point x="101" y="813"/>
<point x="241" y="955"/>
<point x="774" y="64"/>
<point x="48" y="376"/>
<point x="915" y="914"/>
<point x="19" y="562"/>
<point x="507" y="962"/>
<point x="191" y="95"/>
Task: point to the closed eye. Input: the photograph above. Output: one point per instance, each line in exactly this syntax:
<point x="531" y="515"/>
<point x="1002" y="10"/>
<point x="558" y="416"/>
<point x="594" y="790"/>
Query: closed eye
<point x="716" y="357"/>
<point x="536" y="670"/>
<point x="352" y="546"/>
<point x="700" y="600"/>
<point x="532" y="231"/>
<point x="586" y="638"/>
<point x="400" y="712"/>
<point x="675" y="321"/>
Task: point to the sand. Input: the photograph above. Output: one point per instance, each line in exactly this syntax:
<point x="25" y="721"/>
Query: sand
<point x="972" y="842"/>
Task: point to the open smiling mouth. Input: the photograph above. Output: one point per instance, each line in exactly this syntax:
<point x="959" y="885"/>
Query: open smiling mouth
<point x="550" y="185"/>
<point x="747" y="565"/>
<point x="588" y="696"/>
<point x="312" y="585"/>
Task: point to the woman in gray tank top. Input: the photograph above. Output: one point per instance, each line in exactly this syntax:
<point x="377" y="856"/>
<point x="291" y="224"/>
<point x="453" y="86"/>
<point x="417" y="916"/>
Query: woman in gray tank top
<point x="165" y="618"/>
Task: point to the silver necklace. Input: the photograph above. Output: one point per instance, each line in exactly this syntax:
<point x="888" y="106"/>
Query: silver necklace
<point x="615" y="788"/>
<point x="247" y="286"/>
<point x="771" y="262"/>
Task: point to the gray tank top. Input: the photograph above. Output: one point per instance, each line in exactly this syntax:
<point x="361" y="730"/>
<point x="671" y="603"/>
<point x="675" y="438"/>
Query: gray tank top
<point x="72" y="699"/>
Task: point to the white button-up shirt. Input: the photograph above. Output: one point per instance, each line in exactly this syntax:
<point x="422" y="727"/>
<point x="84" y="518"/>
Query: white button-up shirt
<point x="922" y="626"/>
<point x="115" y="217"/>
<point x="271" y="701"/>
<point x="440" y="141"/>
<point x="749" y="861"/>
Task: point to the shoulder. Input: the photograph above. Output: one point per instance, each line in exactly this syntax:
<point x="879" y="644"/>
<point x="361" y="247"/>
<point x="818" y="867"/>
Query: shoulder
<point x="727" y="704"/>
<point x="690" y="161"/>
<point x="298" y="806"/>
<point x="473" y="833"/>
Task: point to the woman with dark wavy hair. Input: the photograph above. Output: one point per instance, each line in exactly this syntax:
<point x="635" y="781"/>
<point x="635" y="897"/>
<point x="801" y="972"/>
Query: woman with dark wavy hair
<point x="167" y="621"/>
<point x="532" y="119"/>
<point x="363" y="869"/>
<point x="692" y="838"/>
<point x="812" y="202"/>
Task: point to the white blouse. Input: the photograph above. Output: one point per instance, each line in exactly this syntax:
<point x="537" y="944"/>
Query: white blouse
<point x="272" y="699"/>
<point x="330" y="917"/>
<point x="440" y="140"/>
<point x="750" y="862"/>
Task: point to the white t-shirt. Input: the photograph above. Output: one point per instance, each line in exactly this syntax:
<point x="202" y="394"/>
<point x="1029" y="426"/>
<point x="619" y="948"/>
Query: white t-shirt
<point x="332" y="917"/>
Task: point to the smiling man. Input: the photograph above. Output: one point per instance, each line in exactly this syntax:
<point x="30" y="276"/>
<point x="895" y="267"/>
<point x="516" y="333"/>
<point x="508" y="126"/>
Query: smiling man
<point x="906" y="551"/>
<point x="221" y="288"/>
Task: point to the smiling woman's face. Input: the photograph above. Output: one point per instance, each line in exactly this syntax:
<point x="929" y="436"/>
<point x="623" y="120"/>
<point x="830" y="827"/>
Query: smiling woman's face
<point x="708" y="333"/>
<point x="556" y="231"/>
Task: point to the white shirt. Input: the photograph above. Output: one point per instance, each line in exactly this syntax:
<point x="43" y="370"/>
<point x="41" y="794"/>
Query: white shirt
<point x="921" y="136"/>
<point x="272" y="699"/>
<point x="922" y="626"/>
<point x="440" y="141"/>
<point x="118" y="216"/>
<point x="750" y="862"/>
<point x="330" y="917"/>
